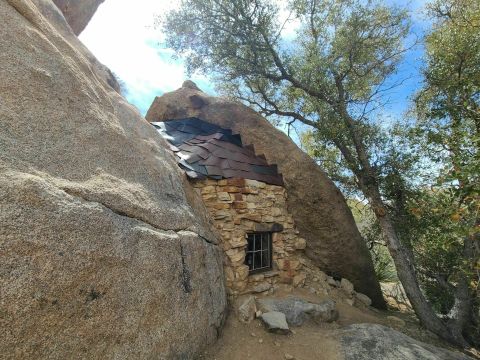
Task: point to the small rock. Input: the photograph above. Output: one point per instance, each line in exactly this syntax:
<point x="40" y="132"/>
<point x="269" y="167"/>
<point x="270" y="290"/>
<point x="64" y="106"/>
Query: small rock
<point x="275" y="322"/>
<point x="246" y="308"/>
<point x="300" y="244"/>
<point x="289" y="357"/>
<point x="257" y="277"/>
<point x="252" y="334"/>
<point x="322" y="277"/>
<point x="326" y="311"/>
<point x="332" y="282"/>
<point x="260" y="341"/>
<point x="350" y="302"/>
<point x="364" y="299"/>
<point x="261" y="287"/>
<point x="347" y="286"/>
<point x="276" y="343"/>
<point x="258" y="314"/>
<point x="299" y="280"/>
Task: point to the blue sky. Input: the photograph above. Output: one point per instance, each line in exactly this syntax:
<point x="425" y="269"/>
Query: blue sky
<point x="122" y="36"/>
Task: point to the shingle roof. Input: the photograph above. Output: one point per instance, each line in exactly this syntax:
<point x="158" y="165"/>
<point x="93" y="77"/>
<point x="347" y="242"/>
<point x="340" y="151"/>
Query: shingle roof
<point x="205" y="150"/>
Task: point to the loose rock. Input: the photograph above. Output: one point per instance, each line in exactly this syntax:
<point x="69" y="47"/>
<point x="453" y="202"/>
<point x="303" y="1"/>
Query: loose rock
<point x="246" y="308"/>
<point x="332" y="282"/>
<point x="275" y="322"/>
<point x="364" y="299"/>
<point x="347" y="286"/>
<point x="262" y="287"/>
<point x="297" y="310"/>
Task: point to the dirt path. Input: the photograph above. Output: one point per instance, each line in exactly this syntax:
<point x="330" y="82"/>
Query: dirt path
<point x="310" y="341"/>
<point x="250" y="341"/>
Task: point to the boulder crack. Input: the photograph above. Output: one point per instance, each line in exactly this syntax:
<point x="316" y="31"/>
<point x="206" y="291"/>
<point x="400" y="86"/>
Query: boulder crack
<point x="118" y="212"/>
<point x="186" y="283"/>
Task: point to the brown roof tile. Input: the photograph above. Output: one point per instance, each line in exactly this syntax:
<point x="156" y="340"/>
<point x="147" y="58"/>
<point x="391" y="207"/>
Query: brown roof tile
<point x="207" y="150"/>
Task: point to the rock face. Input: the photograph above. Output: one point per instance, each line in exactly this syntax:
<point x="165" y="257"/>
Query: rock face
<point x="377" y="342"/>
<point x="319" y="209"/>
<point x="105" y="250"/>
<point x="78" y="13"/>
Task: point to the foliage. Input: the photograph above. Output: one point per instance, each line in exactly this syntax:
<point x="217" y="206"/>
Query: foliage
<point x="448" y="111"/>
<point x="441" y="228"/>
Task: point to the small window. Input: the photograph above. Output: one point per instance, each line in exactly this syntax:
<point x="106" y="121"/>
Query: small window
<point x="259" y="252"/>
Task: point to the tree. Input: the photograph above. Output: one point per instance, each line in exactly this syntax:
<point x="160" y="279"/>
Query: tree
<point x="331" y="76"/>
<point x="448" y="109"/>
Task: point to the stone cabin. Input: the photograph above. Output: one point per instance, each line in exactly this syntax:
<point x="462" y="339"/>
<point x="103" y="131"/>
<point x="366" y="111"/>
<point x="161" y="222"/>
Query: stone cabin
<point x="246" y="201"/>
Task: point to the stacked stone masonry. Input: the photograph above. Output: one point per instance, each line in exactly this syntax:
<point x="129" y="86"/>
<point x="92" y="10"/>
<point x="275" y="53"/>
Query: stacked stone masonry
<point x="242" y="206"/>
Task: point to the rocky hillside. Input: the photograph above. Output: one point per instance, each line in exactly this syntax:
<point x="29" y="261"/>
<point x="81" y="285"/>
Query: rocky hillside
<point x="105" y="252"/>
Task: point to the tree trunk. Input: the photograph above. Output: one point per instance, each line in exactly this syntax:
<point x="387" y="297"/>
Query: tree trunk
<point x="462" y="315"/>
<point x="407" y="274"/>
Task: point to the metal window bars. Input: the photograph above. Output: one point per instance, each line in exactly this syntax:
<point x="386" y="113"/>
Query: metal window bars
<point x="259" y="252"/>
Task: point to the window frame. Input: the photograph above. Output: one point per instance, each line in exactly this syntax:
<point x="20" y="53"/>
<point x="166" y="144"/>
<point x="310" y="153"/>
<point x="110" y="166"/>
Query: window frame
<point x="269" y="251"/>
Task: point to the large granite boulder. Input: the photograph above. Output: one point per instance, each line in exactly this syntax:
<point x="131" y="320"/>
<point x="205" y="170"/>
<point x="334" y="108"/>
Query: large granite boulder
<point x="377" y="342"/>
<point x="319" y="209"/>
<point x="105" y="251"/>
<point x="78" y="13"/>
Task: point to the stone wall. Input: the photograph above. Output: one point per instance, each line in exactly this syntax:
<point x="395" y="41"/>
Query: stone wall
<point x="240" y="206"/>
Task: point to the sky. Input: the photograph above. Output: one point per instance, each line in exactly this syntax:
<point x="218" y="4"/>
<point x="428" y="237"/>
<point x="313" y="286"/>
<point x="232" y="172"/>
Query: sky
<point x="122" y="35"/>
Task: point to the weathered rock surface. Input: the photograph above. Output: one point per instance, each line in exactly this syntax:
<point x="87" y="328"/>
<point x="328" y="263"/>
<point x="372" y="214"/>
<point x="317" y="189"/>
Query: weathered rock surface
<point x="364" y="299"/>
<point x="64" y="27"/>
<point x="104" y="251"/>
<point x="246" y="308"/>
<point x="297" y="310"/>
<point x="395" y="296"/>
<point x="319" y="209"/>
<point x="78" y="13"/>
<point x="347" y="286"/>
<point x="377" y="342"/>
<point x="275" y="322"/>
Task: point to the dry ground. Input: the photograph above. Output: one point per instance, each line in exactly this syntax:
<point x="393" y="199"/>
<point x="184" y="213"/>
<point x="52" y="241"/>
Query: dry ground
<point x="240" y="341"/>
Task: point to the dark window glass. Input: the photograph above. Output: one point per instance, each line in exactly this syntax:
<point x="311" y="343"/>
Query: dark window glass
<point x="250" y="246"/>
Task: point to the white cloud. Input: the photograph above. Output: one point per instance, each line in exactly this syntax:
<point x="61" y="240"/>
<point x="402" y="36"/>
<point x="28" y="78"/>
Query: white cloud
<point x="122" y="36"/>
